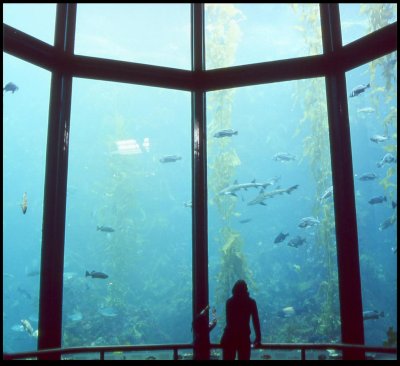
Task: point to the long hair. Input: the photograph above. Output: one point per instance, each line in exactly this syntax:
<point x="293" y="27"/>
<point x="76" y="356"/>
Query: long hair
<point x="240" y="290"/>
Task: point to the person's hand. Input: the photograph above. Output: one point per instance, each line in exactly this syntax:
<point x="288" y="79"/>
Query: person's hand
<point x="256" y="343"/>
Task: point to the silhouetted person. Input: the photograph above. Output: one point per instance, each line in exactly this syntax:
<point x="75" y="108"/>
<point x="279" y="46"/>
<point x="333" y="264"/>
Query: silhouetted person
<point x="201" y="327"/>
<point x="236" y="337"/>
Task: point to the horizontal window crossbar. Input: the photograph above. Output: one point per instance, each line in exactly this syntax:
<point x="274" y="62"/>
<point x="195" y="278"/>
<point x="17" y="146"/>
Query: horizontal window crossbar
<point x="354" y="54"/>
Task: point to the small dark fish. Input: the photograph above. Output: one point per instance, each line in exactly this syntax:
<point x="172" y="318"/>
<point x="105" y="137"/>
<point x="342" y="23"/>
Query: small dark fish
<point x="10" y="87"/>
<point x="378" y="199"/>
<point x="33" y="272"/>
<point x="95" y="274"/>
<point x="105" y="229"/>
<point x="372" y="314"/>
<point x="170" y="158"/>
<point x="266" y="356"/>
<point x="388" y="222"/>
<point x="225" y="133"/>
<point x="296" y="242"/>
<point x="280" y="238"/>
<point x="283" y="156"/>
<point x="359" y="89"/>
<point x="368" y="176"/>
<point x="244" y="221"/>
<point x="394" y="204"/>
<point x="24" y="203"/>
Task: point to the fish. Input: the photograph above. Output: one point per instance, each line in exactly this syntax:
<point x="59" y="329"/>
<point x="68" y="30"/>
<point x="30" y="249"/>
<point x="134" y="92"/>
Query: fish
<point x="170" y="158"/>
<point x="286" y="312"/>
<point x="265" y="195"/>
<point x="296" y="241"/>
<point x="108" y="311"/>
<point x="327" y="194"/>
<point x="280" y="238"/>
<point x="387" y="159"/>
<point x="106" y="229"/>
<point x="24" y="203"/>
<point x="75" y="316"/>
<point x="367" y="176"/>
<point x="367" y="110"/>
<point x="289" y="311"/>
<point x="10" y="87"/>
<point x="230" y="190"/>
<point x="388" y="222"/>
<point x="187" y="204"/>
<point x="245" y="221"/>
<point x="95" y="274"/>
<point x="283" y="157"/>
<point x="27" y="326"/>
<point x="296" y="267"/>
<point x="359" y="89"/>
<point x="394" y="204"/>
<point x="372" y="314"/>
<point x="225" y="133"/>
<point x="32" y="272"/>
<point x="378" y="138"/>
<point x="394" y="250"/>
<point x="378" y="199"/>
<point x="307" y="222"/>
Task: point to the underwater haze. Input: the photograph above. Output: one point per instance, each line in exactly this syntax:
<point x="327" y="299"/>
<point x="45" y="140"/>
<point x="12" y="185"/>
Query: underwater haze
<point x="128" y="235"/>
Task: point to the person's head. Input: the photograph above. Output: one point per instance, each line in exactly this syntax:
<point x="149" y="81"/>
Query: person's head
<point x="240" y="289"/>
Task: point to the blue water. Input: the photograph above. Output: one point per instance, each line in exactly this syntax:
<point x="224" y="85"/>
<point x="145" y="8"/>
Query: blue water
<point x="148" y="258"/>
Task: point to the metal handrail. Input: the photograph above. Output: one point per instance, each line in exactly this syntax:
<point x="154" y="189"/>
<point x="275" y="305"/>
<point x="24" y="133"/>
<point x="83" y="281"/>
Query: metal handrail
<point x="303" y="347"/>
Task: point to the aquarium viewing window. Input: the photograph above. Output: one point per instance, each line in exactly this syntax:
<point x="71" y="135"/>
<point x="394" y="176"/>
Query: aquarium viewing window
<point x="172" y="84"/>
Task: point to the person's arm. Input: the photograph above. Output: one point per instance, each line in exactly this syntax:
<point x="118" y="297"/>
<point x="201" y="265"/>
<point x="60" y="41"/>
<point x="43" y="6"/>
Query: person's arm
<point x="256" y="324"/>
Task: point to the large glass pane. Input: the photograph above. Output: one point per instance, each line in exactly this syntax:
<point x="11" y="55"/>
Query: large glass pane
<point x="358" y="20"/>
<point x="38" y="20"/>
<point x="271" y="218"/>
<point x="129" y="176"/>
<point x="26" y="93"/>
<point x="260" y="33"/>
<point x="157" y="34"/>
<point x="372" y="90"/>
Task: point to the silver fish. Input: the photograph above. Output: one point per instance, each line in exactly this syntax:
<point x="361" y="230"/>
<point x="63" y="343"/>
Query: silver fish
<point x="307" y="222"/>
<point x="378" y="138"/>
<point x="230" y="190"/>
<point x="327" y="194"/>
<point x="265" y="195"/>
